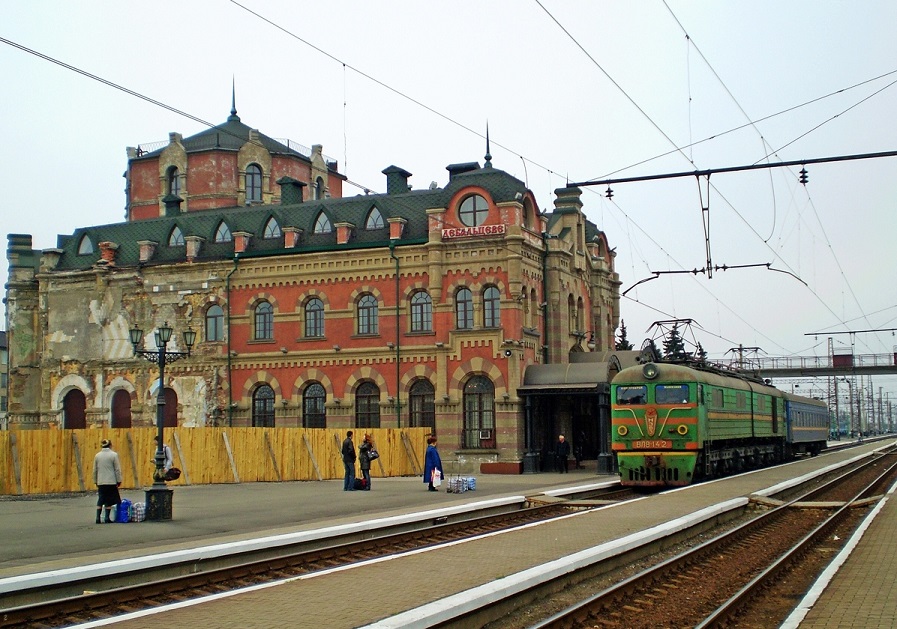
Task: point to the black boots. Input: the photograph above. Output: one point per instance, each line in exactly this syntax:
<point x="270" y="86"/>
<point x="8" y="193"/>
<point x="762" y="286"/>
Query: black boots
<point x="99" y="512"/>
<point x="108" y="514"/>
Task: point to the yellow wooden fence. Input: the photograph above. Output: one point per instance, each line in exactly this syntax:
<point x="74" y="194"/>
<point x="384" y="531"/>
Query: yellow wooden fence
<point x="53" y="461"/>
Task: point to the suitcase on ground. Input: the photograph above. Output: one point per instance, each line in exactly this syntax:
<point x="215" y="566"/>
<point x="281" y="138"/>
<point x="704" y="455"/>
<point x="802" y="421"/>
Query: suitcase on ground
<point x="123" y="513"/>
<point x="361" y="483"/>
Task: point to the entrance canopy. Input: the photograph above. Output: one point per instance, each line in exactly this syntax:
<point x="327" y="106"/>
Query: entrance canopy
<point x="583" y="376"/>
<point x="565" y="379"/>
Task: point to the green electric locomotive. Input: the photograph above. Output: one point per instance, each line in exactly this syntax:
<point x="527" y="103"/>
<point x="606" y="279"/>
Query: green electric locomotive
<point x="673" y="424"/>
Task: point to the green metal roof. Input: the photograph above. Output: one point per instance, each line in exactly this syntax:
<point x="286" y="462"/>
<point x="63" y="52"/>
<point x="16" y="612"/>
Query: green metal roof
<point x="411" y="206"/>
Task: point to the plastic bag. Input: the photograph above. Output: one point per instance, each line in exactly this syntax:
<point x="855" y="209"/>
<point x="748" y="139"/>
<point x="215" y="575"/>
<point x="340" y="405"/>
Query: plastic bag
<point x="436" y="478"/>
<point x="123" y="513"/>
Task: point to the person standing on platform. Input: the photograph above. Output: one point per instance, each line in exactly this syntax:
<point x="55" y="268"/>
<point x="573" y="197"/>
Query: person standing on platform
<point x="364" y="460"/>
<point x="107" y="477"/>
<point x="561" y="453"/>
<point x="349" y="462"/>
<point x="432" y="462"/>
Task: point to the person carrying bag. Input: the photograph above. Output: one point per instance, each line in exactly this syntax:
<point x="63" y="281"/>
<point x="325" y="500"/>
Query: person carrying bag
<point x="432" y="465"/>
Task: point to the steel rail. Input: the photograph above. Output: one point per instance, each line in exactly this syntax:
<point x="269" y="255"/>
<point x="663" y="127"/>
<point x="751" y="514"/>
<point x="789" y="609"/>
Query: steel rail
<point x="581" y="613"/>
<point x="728" y="611"/>
<point x="245" y="569"/>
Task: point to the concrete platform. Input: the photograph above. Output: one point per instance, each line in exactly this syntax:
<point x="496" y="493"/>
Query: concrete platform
<point x="414" y="589"/>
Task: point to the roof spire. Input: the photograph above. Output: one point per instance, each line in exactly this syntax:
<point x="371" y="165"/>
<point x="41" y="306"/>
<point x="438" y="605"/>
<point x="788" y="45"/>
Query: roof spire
<point x="488" y="156"/>
<point x="233" y="101"/>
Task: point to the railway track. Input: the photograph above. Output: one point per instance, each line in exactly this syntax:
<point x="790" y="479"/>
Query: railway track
<point x="734" y="579"/>
<point x="244" y="571"/>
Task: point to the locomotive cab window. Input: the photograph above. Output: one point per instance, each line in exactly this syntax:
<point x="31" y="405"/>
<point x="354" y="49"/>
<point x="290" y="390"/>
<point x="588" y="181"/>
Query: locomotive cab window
<point x="632" y="395"/>
<point x="671" y="394"/>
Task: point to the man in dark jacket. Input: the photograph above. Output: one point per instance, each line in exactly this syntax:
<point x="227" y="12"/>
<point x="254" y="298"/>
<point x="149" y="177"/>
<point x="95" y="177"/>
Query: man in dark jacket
<point x="349" y="463"/>
<point x="561" y="452"/>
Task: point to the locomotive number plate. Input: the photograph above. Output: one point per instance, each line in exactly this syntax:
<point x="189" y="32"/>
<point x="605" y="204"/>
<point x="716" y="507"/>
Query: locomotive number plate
<point x="652" y="443"/>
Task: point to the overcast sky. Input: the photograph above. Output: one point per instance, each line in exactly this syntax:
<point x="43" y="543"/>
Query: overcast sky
<point x="571" y="91"/>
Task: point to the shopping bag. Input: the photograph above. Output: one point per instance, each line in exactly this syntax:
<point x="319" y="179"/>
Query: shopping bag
<point x="123" y="513"/>
<point x="436" y="478"/>
<point x="138" y="512"/>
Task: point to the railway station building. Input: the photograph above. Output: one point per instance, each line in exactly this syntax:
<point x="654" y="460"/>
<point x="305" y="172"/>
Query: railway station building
<point x="463" y="308"/>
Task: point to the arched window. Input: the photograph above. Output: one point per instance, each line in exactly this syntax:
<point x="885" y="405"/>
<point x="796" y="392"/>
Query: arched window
<point x="571" y="314"/>
<point x="375" y="220"/>
<point x="474" y="210"/>
<point x="253" y="183"/>
<point x="580" y="316"/>
<point x="421" y="312"/>
<point x="272" y="229"/>
<point x="263" y="407"/>
<point x="534" y="309"/>
<point x="322" y="224"/>
<point x="176" y="237"/>
<point x="173" y="183"/>
<point x="314" y="318"/>
<point x="422" y="405"/>
<point x="367" y="405"/>
<point x="528" y="213"/>
<point x="222" y="234"/>
<point x="527" y="314"/>
<point x="264" y="321"/>
<point x="491" y="307"/>
<point x="368" y="315"/>
<point x="121" y="409"/>
<point x="479" y="413"/>
<point x="85" y="246"/>
<point x="170" y="418"/>
<point x="319" y="188"/>
<point x="314" y="414"/>
<point x="464" y="309"/>
<point x="215" y="323"/>
<point x="74" y="410"/>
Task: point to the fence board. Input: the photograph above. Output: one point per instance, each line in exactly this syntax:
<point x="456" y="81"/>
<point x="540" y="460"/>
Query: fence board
<point x="55" y="460"/>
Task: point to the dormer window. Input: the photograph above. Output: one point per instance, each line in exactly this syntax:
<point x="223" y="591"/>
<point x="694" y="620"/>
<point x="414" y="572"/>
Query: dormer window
<point x="272" y="229"/>
<point x="222" y="234"/>
<point x="253" y="183"/>
<point x="375" y="220"/>
<point x="85" y="246"/>
<point x="322" y="224"/>
<point x="176" y="238"/>
<point x="474" y="210"/>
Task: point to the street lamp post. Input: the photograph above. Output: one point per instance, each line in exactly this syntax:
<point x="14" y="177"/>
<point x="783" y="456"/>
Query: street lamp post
<point x="159" y="496"/>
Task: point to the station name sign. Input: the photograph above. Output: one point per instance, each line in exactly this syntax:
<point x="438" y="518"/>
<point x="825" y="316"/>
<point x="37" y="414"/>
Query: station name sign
<point x="467" y="232"/>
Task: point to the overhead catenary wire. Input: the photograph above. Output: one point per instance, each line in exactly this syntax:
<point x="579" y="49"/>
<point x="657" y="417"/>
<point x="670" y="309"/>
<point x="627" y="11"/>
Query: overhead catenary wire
<point x="349" y="181"/>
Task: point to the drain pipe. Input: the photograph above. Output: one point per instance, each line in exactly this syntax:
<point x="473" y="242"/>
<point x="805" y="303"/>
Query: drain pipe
<point x="392" y="254"/>
<point x="230" y="388"/>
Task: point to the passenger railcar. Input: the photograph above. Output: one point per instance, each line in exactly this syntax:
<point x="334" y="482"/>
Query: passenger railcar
<point x="808" y="424"/>
<point x="673" y="424"/>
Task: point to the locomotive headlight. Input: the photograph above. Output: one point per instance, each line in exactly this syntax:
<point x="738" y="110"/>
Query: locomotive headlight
<point x="622" y="431"/>
<point x="682" y="429"/>
<point x="649" y="371"/>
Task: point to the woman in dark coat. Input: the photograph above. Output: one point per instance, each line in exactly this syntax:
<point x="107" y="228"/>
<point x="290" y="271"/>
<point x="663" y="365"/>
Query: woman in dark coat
<point x="432" y="462"/>
<point x="364" y="460"/>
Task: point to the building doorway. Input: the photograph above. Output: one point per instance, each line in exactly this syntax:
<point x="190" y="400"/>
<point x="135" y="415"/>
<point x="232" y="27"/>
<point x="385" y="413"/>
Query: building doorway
<point x="74" y="410"/>
<point x="121" y="409"/>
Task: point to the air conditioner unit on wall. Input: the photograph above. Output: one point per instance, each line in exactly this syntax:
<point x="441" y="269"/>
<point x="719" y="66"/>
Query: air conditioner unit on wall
<point x="485" y="434"/>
